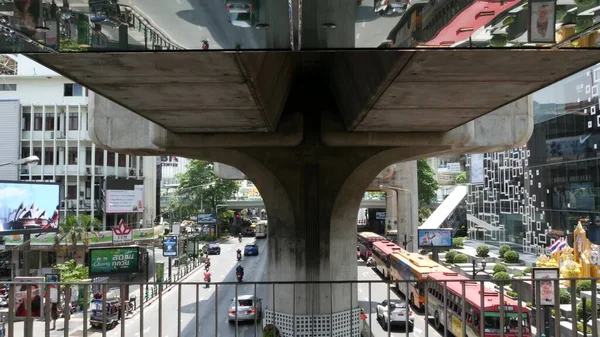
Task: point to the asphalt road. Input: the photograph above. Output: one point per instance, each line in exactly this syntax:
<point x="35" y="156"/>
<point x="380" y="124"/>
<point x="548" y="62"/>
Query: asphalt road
<point x="213" y="310"/>
<point x="379" y="294"/>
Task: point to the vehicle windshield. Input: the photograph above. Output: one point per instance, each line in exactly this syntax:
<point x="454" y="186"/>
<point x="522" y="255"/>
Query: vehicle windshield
<point x="397" y="305"/>
<point x="245" y="303"/>
<point x="511" y="322"/>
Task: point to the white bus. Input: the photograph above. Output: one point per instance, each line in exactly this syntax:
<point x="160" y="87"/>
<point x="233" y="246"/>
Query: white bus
<point x="261" y="229"/>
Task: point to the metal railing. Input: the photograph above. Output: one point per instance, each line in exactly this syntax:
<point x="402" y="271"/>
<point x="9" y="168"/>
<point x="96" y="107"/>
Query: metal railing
<point x="345" y="308"/>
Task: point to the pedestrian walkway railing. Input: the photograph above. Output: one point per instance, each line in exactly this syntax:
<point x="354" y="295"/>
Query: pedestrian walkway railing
<point x="452" y="304"/>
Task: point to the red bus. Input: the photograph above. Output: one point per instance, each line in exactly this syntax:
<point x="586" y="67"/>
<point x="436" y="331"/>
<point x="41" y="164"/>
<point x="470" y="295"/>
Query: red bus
<point x="472" y="296"/>
<point x="382" y="250"/>
<point x="365" y="243"/>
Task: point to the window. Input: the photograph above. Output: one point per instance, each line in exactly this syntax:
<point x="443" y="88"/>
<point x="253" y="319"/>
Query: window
<point x="72" y="192"/>
<point x="8" y="87"/>
<point x="110" y="160"/>
<point x="37" y="121"/>
<point x="26" y="121"/>
<point x="73" y="89"/>
<point x="49" y="122"/>
<point x="72" y="156"/>
<point x="122" y="160"/>
<point x="99" y="157"/>
<point x="73" y="121"/>
<point x="88" y="156"/>
<point x="48" y="156"/>
<point x="37" y="151"/>
<point x="25" y="152"/>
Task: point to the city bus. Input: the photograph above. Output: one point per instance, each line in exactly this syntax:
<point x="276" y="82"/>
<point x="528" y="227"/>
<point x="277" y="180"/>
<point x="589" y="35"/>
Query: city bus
<point x="413" y="267"/>
<point x="382" y="250"/>
<point x="365" y="243"/>
<point x="472" y="296"/>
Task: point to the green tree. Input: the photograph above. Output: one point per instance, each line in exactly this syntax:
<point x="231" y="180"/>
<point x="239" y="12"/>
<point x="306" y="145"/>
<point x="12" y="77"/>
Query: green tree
<point x="70" y="271"/>
<point x="200" y="187"/>
<point x="428" y="186"/>
<point x="461" y="178"/>
<point x="424" y="213"/>
<point x="75" y="229"/>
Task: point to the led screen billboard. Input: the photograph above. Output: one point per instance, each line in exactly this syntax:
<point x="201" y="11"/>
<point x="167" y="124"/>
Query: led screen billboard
<point x="124" y="196"/>
<point x="28" y="207"/>
<point x="435" y="238"/>
<point x="170" y="245"/>
<point x="114" y="260"/>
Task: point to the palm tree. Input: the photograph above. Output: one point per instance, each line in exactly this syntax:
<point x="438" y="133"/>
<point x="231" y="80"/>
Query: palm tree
<point x="77" y="229"/>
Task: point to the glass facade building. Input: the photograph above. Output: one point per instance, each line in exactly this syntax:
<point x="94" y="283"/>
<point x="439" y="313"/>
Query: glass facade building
<point x="526" y="196"/>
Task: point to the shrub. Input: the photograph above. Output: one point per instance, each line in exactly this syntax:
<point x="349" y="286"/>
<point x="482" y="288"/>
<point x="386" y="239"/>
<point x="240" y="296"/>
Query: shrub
<point x="450" y="256"/>
<point x="459" y="242"/>
<point x="508" y="21"/>
<point x="503" y="249"/>
<point x="565" y="297"/>
<point x="499" y="268"/>
<point x="499" y="40"/>
<point x="580" y="328"/>
<point x="501" y="278"/>
<point x="460" y="258"/>
<point x="512" y="293"/>
<point x="588" y="309"/>
<point x="527" y="271"/>
<point x="529" y="304"/>
<point x="511" y="256"/>
<point x="583" y="285"/>
<point x="483" y="251"/>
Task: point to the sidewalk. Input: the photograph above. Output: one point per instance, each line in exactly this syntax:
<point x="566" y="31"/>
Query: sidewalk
<point x="76" y="322"/>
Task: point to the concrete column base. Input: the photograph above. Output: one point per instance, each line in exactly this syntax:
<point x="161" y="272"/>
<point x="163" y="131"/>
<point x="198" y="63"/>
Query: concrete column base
<point x="345" y="324"/>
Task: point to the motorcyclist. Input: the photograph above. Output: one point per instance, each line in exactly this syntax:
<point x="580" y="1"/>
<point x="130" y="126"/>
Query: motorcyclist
<point x="207" y="262"/>
<point x="239" y="270"/>
<point x="239" y="254"/>
<point x="240" y="237"/>
<point x="207" y="276"/>
<point x="370" y="262"/>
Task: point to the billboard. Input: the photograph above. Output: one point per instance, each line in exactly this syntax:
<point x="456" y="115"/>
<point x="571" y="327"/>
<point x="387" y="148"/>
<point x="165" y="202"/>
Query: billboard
<point x="122" y="233"/>
<point x="114" y="260"/>
<point x="34" y="302"/>
<point x="28" y="207"/>
<point x="207" y="219"/>
<point x="476" y="171"/>
<point x="124" y="196"/>
<point x="434" y="238"/>
<point x="170" y="245"/>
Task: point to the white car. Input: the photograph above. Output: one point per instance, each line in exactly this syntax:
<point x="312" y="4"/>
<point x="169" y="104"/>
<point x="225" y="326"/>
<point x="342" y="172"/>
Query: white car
<point x="249" y="308"/>
<point x="398" y="315"/>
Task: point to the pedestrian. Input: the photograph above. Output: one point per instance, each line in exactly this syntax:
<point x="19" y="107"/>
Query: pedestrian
<point x="54" y="315"/>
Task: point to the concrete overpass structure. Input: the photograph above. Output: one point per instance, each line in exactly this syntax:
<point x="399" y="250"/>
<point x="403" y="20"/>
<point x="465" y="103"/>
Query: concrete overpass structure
<point x="245" y="203"/>
<point x="313" y="128"/>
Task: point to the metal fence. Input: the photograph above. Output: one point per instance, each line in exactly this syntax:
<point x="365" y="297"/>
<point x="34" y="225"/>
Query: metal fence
<point x="193" y="309"/>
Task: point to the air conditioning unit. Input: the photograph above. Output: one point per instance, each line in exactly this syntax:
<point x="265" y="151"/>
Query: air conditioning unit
<point x="98" y="170"/>
<point x="60" y="135"/>
<point x="132" y="173"/>
<point x="52" y="135"/>
<point x="88" y="171"/>
<point x="71" y="204"/>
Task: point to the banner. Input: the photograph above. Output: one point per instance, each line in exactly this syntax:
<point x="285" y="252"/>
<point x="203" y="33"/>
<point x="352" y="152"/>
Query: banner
<point x="47" y="239"/>
<point x="114" y="260"/>
<point x="35" y="299"/>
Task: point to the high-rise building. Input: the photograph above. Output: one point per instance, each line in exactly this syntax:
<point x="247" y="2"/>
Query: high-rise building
<point x="529" y="196"/>
<point x="45" y="114"/>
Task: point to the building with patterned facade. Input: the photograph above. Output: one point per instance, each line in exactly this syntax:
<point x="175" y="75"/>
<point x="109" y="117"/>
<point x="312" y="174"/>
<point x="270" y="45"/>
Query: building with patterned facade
<point x="528" y="196"/>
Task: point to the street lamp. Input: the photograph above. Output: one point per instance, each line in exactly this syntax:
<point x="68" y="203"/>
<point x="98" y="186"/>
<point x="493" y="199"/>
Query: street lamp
<point x="406" y="240"/>
<point x="475" y="272"/>
<point x="31" y="161"/>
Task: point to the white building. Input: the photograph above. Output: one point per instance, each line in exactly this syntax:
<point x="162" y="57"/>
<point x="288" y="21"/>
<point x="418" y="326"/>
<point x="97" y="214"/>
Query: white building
<point x="46" y="115"/>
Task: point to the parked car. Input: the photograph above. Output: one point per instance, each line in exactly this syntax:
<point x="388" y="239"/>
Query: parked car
<point x="242" y="13"/>
<point x="251" y="249"/>
<point x="212" y="249"/>
<point x="249" y="308"/>
<point x="398" y="315"/>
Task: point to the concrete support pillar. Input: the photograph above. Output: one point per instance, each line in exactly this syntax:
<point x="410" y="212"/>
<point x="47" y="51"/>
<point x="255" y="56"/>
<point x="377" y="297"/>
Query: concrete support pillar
<point x="408" y="202"/>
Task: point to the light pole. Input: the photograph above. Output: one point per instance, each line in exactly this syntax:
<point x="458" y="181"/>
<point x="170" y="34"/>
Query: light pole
<point x="406" y="241"/>
<point x="31" y="161"/>
<point x="475" y="272"/>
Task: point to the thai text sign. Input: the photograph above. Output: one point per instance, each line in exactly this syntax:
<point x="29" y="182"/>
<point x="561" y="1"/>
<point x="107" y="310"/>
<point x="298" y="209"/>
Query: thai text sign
<point x="114" y="260"/>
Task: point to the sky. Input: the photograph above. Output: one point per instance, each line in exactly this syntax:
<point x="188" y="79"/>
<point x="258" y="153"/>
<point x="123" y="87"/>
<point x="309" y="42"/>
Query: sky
<point x="44" y="196"/>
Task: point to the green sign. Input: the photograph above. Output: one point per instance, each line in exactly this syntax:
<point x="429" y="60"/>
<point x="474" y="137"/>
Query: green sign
<point x="160" y="272"/>
<point x="114" y="260"/>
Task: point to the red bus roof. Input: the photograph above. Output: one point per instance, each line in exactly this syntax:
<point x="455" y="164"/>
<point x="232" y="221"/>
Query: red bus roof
<point x="473" y="291"/>
<point x="370" y="236"/>
<point x="387" y="247"/>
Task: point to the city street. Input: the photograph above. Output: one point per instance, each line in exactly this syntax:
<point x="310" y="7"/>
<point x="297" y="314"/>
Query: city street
<point x="379" y="294"/>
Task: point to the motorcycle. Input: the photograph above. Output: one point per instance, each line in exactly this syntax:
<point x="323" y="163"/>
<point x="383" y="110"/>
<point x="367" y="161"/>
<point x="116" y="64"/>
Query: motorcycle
<point x="239" y="238"/>
<point x="207" y="280"/>
<point x="239" y="256"/>
<point x="240" y="276"/>
<point x="207" y="266"/>
<point x="205" y="44"/>
<point x="4" y="300"/>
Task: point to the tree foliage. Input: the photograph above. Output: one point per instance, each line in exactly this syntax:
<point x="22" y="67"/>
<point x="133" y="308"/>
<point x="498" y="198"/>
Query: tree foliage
<point x="461" y="178"/>
<point x="200" y="187"/>
<point x="74" y="229"/>
<point x="70" y="271"/>
<point x="428" y="186"/>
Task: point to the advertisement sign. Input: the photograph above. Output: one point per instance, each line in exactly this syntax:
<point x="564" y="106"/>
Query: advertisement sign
<point x="114" y="260"/>
<point x="27" y="16"/>
<point x="434" y="238"/>
<point x="175" y="228"/>
<point x="48" y="239"/>
<point x="379" y="215"/>
<point x="476" y="170"/>
<point x="453" y="168"/>
<point x="35" y="299"/>
<point x="160" y="272"/>
<point x="124" y="196"/>
<point x="170" y="245"/>
<point x="122" y="233"/>
<point x="53" y="287"/>
<point x="542" y="21"/>
<point x="28" y="207"/>
<point x="207" y="219"/>
<point x="544" y="276"/>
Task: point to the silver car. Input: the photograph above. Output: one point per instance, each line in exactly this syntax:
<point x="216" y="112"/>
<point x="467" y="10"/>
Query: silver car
<point x="249" y="308"/>
<point x="242" y="13"/>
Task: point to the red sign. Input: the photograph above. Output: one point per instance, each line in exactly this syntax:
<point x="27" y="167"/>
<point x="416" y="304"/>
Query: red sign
<point x="122" y="233"/>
